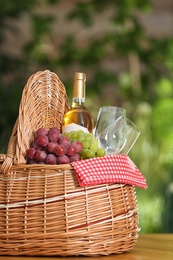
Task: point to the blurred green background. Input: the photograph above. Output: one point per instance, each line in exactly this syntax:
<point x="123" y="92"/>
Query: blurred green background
<point x="125" y="66"/>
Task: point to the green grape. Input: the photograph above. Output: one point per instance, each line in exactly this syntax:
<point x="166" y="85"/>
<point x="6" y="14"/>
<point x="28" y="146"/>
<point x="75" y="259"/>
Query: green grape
<point x="80" y="133"/>
<point x="88" y="137"/>
<point x="67" y="134"/>
<point x="100" y="152"/>
<point x="94" y="146"/>
<point x="84" y="154"/>
<point x="90" y="153"/>
<point x="89" y="142"/>
<point x="86" y="145"/>
<point x="81" y="138"/>
<point x="74" y="135"/>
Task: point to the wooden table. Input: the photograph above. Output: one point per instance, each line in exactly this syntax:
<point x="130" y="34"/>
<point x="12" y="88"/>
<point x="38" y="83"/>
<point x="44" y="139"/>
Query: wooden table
<point x="148" y="247"/>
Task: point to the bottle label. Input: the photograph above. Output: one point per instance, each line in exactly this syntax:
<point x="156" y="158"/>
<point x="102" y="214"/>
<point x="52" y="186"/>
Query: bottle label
<point x="74" y="127"/>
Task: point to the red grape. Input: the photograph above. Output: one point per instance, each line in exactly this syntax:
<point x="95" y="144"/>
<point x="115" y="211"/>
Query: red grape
<point x="41" y="131"/>
<point x="74" y="158"/>
<point x="59" y="150"/>
<point x="64" y="159"/>
<point x="42" y="140"/>
<point x="78" y="146"/>
<point x="51" y="146"/>
<point x="30" y="153"/>
<point x="35" y="144"/>
<point x="71" y="149"/>
<point x="63" y="140"/>
<point x="53" y="136"/>
<point x="40" y="155"/>
<point x="51" y="159"/>
<point x="54" y="129"/>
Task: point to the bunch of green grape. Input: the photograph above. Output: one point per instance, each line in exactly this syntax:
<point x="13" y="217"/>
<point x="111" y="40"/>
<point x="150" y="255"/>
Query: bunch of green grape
<point x="90" y="146"/>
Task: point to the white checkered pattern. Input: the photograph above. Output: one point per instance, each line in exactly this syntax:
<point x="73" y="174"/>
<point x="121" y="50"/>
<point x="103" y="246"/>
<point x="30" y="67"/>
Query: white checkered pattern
<point x="108" y="169"/>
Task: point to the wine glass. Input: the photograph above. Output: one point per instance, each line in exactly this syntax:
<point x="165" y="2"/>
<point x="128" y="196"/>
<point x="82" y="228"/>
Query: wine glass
<point x="113" y="138"/>
<point x="132" y="133"/>
<point x="106" y="116"/>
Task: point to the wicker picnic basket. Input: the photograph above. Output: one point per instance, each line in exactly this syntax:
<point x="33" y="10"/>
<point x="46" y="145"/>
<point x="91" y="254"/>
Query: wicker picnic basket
<point x="43" y="210"/>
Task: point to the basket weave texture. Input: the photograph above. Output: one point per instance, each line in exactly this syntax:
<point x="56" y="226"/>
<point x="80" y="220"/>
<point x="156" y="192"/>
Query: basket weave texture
<point x="43" y="210"/>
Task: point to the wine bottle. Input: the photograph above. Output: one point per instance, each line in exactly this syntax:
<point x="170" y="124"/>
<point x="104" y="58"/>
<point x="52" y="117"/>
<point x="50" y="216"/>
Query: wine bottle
<point x="78" y="117"/>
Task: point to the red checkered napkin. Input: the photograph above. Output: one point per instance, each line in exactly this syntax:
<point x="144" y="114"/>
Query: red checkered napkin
<point x="108" y="169"/>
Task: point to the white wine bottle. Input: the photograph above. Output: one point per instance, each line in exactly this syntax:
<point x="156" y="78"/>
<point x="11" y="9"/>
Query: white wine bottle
<point x="78" y="117"/>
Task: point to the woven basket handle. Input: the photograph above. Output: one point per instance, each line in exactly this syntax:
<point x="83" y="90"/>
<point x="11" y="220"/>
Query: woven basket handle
<point x="7" y="159"/>
<point x="44" y="102"/>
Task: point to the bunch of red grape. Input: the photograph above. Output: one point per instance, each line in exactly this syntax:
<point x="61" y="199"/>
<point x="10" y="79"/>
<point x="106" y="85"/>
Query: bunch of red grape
<point x="51" y="147"/>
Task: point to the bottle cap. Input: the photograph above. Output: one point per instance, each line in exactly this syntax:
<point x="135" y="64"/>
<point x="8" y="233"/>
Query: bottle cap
<point x="79" y="76"/>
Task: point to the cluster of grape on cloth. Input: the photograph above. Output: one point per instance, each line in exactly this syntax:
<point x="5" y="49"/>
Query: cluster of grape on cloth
<point x="52" y="147"/>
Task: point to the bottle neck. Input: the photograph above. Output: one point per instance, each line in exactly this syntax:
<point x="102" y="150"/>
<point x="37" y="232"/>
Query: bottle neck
<point x="78" y="99"/>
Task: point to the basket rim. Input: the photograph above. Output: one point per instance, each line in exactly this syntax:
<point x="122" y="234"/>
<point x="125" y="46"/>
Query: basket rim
<point x="43" y="167"/>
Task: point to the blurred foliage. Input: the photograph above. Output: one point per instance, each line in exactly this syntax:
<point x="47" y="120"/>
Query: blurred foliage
<point x="143" y="87"/>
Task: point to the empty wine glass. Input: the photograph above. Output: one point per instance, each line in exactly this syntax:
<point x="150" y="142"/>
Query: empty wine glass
<point x="106" y="116"/>
<point x="132" y="133"/>
<point x="113" y="138"/>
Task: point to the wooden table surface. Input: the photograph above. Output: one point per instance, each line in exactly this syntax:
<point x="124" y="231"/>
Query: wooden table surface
<point x="148" y="247"/>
